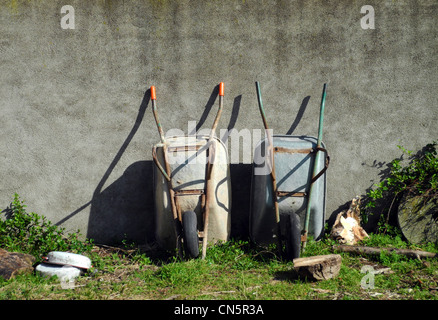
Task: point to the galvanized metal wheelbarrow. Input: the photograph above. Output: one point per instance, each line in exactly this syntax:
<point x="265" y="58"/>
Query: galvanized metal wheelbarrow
<point x="288" y="190"/>
<point x="192" y="188"/>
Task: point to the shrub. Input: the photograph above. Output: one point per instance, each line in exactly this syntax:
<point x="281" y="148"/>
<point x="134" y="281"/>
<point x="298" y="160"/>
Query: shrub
<point x="419" y="177"/>
<point x="34" y="234"/>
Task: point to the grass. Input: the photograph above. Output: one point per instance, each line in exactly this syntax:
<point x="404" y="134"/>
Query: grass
<point x="236" y="270"/>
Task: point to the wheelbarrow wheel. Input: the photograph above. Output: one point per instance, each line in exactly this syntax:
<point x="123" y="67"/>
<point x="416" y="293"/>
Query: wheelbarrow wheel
<point x="190" y="234"/>
<point x="293" y="236"/>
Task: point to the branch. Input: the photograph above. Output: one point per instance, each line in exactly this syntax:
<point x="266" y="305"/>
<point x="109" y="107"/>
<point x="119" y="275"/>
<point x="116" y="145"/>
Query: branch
<point x="413" y="254"/>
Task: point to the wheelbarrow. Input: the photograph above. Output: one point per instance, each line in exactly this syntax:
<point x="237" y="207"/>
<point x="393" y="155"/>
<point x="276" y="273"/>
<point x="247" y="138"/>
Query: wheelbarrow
<point x="192" y="189"/>
<point x="288" y="189"/>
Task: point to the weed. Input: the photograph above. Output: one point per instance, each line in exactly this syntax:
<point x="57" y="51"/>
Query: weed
<point x="34" y="234"/>
<point x="385" y="240"/>
<point x="419" y="176"/>
<point x="181" y="274"/>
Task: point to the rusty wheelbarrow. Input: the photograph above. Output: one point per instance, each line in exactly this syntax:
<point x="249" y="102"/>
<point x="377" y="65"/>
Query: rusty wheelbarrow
<point x="288" y="188"/>
<point x="192" y="189"/>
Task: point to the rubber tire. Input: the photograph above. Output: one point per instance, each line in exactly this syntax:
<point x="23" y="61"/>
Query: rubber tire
<point x="190" y="234"/>
<point x="293" y="236"/>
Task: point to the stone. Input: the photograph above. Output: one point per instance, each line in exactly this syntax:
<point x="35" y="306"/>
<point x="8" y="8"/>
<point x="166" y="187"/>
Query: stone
<point x="418" y="218"/>
<point x="14" y="263"/>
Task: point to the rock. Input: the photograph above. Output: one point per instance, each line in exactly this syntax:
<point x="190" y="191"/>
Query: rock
<point x="322" y="267"/>
<point x="347" y="229"/>
<point x="13" y="263"/>
<point x="418" y="218"/>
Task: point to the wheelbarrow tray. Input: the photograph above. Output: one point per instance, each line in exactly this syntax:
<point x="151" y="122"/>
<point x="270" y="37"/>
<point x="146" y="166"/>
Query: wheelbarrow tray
<point x="187" y="157"/>
<point x="293" y="159"/>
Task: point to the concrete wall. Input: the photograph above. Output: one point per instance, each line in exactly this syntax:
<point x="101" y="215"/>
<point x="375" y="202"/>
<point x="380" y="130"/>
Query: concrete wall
<point x="77" y="126"/>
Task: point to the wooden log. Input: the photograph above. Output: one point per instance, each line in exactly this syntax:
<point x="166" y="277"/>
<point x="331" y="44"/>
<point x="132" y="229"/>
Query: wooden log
<point x="13" y="263"/>
<point x="322" y="267"/>
<point x="413" y="254"/>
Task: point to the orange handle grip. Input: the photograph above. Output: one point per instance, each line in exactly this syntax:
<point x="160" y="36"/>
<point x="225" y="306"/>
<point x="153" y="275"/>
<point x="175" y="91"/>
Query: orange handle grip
<point x="221" y="89"/>
<point x="153" y="94"/>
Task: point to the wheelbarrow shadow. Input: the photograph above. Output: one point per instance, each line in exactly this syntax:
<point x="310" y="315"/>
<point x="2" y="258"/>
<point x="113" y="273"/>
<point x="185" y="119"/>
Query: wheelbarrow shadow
<point x="299" y="116"/>
<point x="208" y="106"/>
<point x="123" y="210"/>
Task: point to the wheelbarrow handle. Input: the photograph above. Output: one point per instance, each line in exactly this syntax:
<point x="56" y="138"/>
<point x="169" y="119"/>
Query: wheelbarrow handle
<point x="321" y="117"/>
<point x="262" y="110"/>
<point x="272" y="173"/>
<point x="154" y="110"/>
<point x="153" y="93"/>
<point x="315" y="174"/>
<point x="221" y="89"/>
<point x="219" y="112"/>
<point x="157" y="163"/>
<point x="208" y="182"/>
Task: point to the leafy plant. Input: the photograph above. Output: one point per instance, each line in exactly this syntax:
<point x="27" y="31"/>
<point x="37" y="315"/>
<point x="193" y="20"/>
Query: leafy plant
<point x="34" y="234"/>
<point x="419" y="176"/>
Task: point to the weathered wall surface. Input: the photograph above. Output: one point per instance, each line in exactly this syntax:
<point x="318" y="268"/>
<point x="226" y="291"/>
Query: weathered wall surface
<point x="77" y="125"/>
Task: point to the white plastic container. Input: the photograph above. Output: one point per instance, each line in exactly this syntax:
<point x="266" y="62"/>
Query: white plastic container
<point x="68" y="259"/>
<point x="64" y="273"/>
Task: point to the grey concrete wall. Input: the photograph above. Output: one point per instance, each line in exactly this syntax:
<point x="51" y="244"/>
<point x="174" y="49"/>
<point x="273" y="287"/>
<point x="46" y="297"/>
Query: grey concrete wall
<point x="77" y="125"/>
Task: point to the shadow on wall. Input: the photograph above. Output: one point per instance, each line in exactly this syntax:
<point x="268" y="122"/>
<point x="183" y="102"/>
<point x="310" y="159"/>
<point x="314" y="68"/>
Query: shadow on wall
<point x="241" y="174"/>
<point x="125" y="209"/>
<point x="385" y="207"/>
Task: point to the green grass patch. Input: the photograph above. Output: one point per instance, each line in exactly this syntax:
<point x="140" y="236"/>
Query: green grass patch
<point x="233" y="270"/>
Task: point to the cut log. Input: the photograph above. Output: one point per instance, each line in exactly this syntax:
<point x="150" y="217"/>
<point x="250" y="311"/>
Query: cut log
<point x="322" y="267"/>
<point x="414" y="254"/>
<point x="13" y="263"/>
<point x="347" y="229"/>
